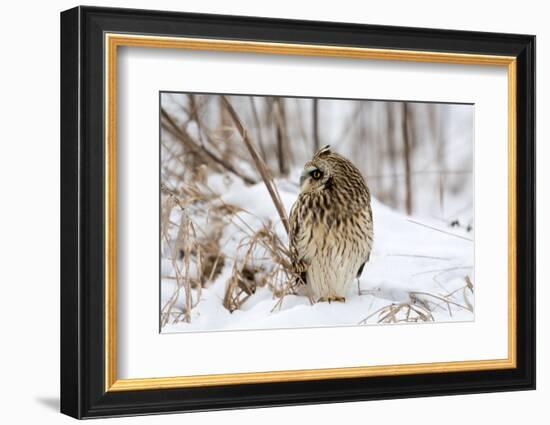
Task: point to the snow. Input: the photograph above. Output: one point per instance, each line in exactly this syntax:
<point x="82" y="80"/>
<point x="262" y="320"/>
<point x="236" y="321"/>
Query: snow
<point x="414" y="261"/>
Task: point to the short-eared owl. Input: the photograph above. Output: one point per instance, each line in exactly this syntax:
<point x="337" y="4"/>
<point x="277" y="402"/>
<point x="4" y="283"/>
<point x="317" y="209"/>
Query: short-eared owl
<point x="331" y="225"/>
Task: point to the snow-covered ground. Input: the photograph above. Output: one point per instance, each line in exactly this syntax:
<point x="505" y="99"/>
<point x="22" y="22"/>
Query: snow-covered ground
<point x="420" y="270"/>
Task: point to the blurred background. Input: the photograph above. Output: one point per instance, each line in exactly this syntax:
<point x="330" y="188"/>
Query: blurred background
<point x="417" y="158"/>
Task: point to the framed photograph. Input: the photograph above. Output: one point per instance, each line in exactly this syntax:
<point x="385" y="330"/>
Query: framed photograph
<point x="261" y="212"/>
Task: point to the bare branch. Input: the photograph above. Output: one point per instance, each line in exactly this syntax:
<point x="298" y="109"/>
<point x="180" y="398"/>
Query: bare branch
<point x="202" y="150"/>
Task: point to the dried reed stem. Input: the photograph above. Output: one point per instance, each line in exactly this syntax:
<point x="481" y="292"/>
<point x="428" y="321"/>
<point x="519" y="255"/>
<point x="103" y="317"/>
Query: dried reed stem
<point x="260" y="164"/>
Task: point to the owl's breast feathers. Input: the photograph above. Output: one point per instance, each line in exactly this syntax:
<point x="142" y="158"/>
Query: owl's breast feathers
<point x="332" y="227"/>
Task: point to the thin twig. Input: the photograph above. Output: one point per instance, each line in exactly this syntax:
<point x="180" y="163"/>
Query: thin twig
<point x="439" y="230"/>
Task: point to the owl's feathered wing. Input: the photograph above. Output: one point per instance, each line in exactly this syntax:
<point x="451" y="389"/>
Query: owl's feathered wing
<point x="298" y="241"/>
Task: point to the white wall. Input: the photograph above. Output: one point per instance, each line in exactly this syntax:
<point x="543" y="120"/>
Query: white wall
<point x="29" y="224"/>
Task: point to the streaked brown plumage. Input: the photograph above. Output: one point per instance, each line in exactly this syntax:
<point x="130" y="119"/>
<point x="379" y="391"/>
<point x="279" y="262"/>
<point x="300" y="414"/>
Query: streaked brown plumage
<point x="331" y="229"/>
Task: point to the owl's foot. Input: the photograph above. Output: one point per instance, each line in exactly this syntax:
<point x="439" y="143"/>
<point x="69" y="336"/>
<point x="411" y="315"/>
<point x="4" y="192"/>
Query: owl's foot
<point x="331" y="299"/>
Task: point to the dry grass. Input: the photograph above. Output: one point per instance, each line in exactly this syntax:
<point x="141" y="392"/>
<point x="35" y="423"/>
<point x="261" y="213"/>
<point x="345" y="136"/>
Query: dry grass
<point x="421" y="306"/>
<point x="197" y="257"/>
<point x="244" y="276"/>
<point x="186" y="243"/>
<point x="400" y="312"/>
<point x="195" y="253"/>
<point x="263" y="261"/>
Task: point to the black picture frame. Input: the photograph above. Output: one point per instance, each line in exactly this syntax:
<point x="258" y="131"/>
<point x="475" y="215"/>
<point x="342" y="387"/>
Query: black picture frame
<point x="83" y="392"/>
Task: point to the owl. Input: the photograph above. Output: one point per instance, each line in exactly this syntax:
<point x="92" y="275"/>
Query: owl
<point x="331" y="229"/>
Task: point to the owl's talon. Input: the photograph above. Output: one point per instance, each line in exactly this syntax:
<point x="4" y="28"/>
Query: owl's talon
<point x="330" y="299"/>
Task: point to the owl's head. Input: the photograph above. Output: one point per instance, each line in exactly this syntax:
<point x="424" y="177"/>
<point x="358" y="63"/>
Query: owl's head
<point x="318" y="173"/>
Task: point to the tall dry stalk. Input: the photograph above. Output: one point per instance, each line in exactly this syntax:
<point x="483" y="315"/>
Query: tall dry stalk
<point x="259" y="163"/>
<point x="407" y="150"/>
<point x="281" y="126"/>
<point x="258" y="126"/>
<point x="315" y="122"/>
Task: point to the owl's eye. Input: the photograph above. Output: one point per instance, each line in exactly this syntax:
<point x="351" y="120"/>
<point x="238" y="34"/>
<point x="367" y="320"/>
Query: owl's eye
<point x="316" y="174"/>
